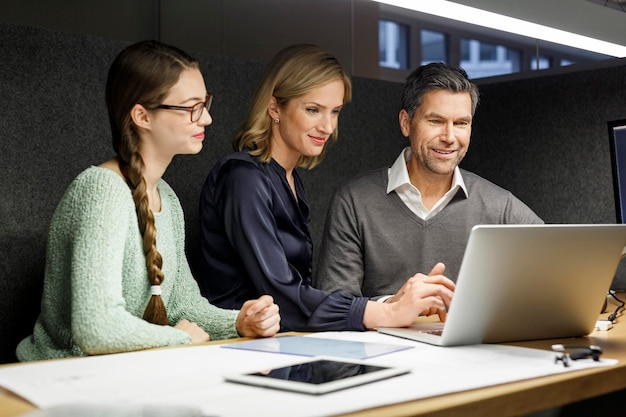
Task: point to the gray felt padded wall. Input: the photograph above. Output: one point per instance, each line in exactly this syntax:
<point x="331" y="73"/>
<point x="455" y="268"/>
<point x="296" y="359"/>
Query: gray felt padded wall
<point x="544" y="138"/>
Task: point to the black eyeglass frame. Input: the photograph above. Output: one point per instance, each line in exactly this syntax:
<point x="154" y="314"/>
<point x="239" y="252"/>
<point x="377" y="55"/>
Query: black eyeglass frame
<point x="191" y="109"/>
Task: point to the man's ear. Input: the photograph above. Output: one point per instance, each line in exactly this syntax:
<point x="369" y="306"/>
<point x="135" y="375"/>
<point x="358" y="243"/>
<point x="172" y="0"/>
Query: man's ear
<point x="141" y="117"/>
<point x="405" y="122"/>
<point x="272" y="109"/>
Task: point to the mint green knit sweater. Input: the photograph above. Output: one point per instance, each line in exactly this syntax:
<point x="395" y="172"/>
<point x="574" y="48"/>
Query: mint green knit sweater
<point x="96" y="285"/>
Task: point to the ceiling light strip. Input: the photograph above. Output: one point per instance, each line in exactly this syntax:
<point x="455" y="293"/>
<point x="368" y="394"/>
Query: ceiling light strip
<point x="455" y="11"/>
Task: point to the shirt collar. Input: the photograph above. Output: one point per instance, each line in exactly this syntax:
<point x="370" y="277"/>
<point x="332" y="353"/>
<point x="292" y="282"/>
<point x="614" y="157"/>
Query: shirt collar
<point x="399" y="174"/>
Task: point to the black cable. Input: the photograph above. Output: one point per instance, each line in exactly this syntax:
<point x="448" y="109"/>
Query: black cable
<point x="620" y="307"/>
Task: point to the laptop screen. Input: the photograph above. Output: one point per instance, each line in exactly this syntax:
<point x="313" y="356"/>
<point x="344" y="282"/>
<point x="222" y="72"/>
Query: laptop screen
<point x="617" y="139"/>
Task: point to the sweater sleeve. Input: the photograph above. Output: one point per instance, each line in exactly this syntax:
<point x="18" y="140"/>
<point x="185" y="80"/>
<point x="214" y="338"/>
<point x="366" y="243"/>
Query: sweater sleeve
<point x="100" y="213"/>
<point x="185" y="301"/>
<point x="246" y="202"/>
<point x="517" y="212"/>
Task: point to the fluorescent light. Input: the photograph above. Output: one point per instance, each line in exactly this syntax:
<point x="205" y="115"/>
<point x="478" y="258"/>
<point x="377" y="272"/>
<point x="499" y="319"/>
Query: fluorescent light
<point x="455" y="11"/>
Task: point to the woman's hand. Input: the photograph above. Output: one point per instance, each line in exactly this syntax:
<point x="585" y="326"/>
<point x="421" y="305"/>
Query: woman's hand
<point x="258" y="318"/>
<point x="197" y="334"/>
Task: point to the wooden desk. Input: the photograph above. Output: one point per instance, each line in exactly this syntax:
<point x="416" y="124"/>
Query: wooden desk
<point x="511" y="399"/>
<point x="532" y="395"/>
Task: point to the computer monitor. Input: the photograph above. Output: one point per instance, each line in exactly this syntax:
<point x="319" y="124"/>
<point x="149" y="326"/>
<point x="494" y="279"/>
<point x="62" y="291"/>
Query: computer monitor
<point x="617" y="138"/>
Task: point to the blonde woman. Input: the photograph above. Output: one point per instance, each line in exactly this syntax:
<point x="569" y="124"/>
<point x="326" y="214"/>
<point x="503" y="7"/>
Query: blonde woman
<point x="255" y="214"/>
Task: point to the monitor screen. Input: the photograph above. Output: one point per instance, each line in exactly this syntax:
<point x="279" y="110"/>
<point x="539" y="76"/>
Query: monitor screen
<point x="617" y="138"/>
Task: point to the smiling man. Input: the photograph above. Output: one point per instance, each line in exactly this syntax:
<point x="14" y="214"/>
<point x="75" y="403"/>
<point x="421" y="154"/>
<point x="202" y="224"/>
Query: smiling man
<point x="386" y="225"/>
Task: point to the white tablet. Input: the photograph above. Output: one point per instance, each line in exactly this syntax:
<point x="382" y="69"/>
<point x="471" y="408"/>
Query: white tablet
<point x="318" y="375"/>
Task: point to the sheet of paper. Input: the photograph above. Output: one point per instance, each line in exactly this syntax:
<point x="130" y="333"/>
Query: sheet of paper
<point x="317" y="346"/>
<point x="193" y="377"/>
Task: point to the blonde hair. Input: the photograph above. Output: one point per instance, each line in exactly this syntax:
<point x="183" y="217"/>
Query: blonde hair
<point x="292" y="73"/>
<point x="143" y="73"/>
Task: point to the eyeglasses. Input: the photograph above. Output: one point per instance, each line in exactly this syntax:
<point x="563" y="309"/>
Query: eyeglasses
<point x="195" y="111"/>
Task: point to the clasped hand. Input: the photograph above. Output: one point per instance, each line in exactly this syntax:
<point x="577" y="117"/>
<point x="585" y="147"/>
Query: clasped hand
<point x="257" y="318"/>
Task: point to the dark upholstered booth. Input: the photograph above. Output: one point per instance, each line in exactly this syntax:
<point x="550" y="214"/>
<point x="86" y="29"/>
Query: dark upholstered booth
<point x="544" y="138"/>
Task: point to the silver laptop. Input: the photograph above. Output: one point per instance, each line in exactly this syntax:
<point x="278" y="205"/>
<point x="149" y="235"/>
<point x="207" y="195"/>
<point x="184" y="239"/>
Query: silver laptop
<point x="527" y="282"/>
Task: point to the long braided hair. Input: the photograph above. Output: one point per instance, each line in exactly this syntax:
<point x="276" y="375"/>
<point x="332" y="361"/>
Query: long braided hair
<point x="143" y="73"/>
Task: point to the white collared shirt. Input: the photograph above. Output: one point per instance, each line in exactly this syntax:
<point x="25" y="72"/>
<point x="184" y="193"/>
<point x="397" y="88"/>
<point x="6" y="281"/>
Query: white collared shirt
<point x="400" y="182"/>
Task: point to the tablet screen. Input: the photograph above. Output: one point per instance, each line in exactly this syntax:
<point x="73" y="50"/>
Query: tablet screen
<point x="319" y="372"/>
<point x="318" y="376"/>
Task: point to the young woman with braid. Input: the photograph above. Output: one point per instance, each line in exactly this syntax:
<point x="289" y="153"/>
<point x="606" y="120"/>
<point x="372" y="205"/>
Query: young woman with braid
<point x="116" y="276"/>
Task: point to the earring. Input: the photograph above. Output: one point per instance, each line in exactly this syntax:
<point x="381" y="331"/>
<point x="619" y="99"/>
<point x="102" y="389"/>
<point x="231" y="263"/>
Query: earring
<point x="276" y="120"/>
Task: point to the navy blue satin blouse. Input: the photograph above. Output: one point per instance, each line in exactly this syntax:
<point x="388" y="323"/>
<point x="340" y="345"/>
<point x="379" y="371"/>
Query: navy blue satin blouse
<point x="255" y="240"/>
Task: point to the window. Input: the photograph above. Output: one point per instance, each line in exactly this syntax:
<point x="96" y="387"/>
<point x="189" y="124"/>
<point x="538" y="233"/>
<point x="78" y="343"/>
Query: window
<point x="434" y="46"/>
<point x="406" y="41"/>
<point x="544" y="62"/>
<point x="393" y="45"/>
<point x="483" y="59"/>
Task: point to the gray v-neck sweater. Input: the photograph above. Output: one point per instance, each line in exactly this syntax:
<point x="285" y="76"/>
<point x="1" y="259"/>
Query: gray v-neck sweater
<point x="373" y="242"/>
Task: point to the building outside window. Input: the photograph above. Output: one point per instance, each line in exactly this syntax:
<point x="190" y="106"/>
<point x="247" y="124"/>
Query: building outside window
<point x="541" y="62"/>
<point x="482" y="59"/>
<point x="434" y="46"/>
<point x="393" y="45"/>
